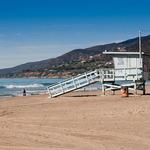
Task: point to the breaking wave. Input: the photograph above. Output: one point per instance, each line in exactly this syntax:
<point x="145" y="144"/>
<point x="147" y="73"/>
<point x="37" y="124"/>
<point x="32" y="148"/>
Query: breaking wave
<point x="22" y="86"/>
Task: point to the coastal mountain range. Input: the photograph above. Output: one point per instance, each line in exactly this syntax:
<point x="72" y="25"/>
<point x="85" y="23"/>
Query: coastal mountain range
<point x="71" y="58"/>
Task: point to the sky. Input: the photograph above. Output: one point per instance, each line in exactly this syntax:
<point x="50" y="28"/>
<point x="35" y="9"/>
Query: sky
<point x="33" y="30"/>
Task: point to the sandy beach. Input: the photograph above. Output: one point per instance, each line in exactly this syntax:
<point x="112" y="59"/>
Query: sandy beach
<point x="73" y="122"/>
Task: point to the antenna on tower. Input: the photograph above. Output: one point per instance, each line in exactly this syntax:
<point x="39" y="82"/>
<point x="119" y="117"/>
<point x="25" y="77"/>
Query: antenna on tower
<point x="140" y="49"/>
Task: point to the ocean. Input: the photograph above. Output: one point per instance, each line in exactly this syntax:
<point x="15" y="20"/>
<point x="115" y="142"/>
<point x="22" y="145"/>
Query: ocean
<point x="34" y="86"/>
<point x="14" y="87"/>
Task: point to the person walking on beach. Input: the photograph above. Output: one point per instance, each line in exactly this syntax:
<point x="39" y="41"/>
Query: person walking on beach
<point x="24" y="92"/>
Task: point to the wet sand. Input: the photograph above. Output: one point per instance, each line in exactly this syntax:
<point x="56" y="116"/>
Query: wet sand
<point x="76" y="121"/>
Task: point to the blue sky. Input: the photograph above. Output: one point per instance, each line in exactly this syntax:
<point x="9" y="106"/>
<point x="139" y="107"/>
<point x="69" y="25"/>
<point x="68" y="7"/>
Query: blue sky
<point x="32" y="30"/>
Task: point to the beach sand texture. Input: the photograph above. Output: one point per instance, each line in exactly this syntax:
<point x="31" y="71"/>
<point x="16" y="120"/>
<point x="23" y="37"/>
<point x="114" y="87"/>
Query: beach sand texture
<point x="75" y="123"/>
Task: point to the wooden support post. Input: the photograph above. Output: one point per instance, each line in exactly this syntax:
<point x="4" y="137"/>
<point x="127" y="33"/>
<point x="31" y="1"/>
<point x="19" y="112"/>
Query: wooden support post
<point x="113" y="91"/>
<point x="87" y="78"/>
<point x="135" y="89"/>
<point x="74" y="83"/>
<point x="50" y="95"/>
<point x="144" y="91"/>
<point x="103" y="89"/>
<point x="62" y="87"/>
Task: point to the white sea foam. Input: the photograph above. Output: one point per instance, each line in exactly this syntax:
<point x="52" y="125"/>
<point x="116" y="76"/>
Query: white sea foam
<point x="11" y="86"/>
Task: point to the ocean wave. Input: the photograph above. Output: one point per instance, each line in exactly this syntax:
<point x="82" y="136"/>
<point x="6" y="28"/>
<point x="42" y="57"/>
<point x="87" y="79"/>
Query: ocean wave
<point x="2" y="87"/>
<point x="23" y="86"/>
<point x="47" y="84"/>
<point x="7" y="95"/>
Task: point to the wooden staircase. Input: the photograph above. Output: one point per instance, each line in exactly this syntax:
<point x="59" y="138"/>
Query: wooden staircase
<point x="80" y="81"/>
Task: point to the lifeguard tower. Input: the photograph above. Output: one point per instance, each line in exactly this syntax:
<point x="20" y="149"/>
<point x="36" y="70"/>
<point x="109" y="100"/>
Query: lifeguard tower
<point x="131" y="69"/>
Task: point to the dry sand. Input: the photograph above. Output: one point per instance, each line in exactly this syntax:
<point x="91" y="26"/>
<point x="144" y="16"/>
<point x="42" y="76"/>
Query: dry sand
<point x="75" y="123"/>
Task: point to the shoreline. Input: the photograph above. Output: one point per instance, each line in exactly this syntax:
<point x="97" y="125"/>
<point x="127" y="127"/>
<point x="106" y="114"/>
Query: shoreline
<point x="80" y="93"/>
<point x="14" y="87"/>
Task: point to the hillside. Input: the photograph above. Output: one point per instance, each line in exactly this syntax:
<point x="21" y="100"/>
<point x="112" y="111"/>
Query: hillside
<point x="91" y="57"/>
